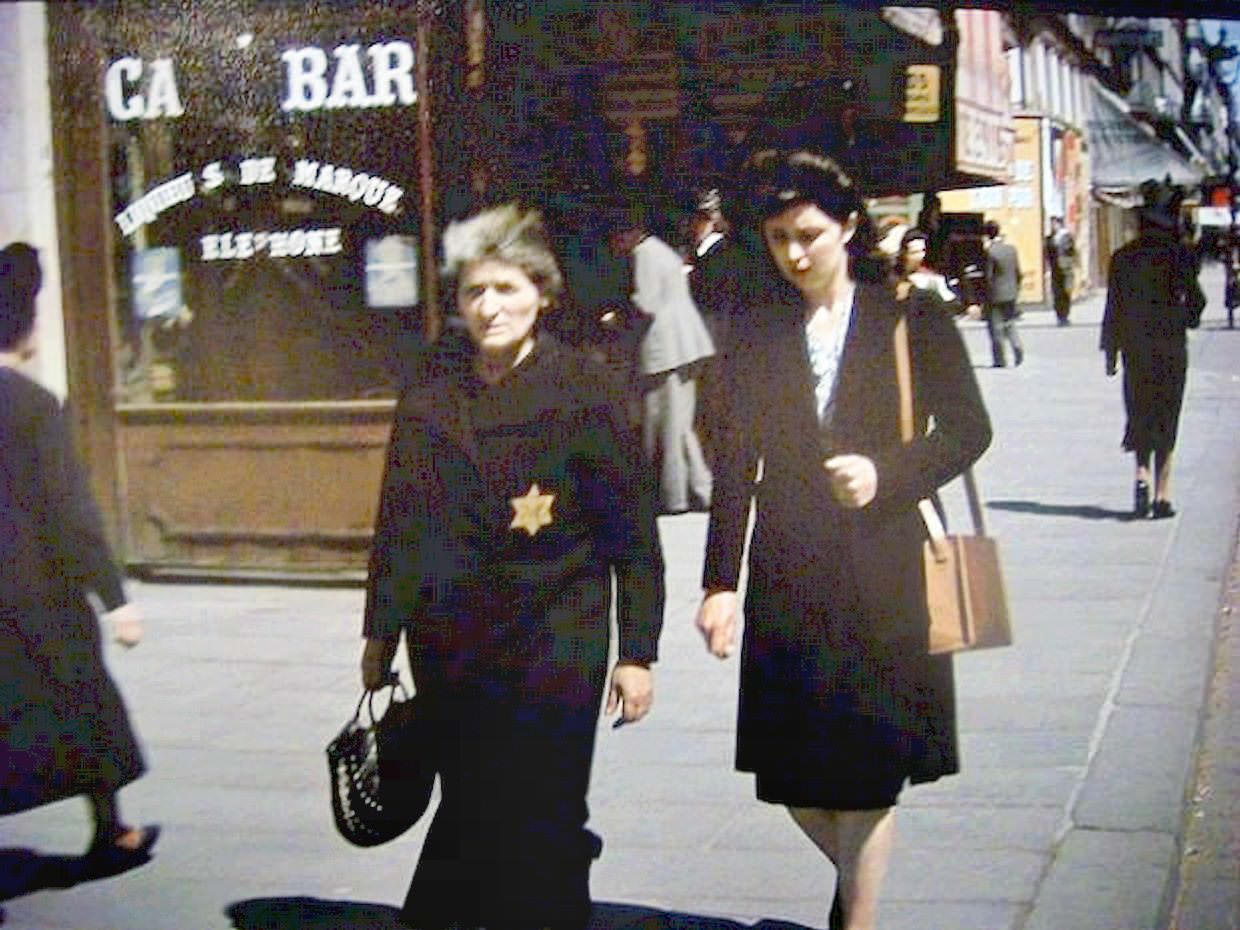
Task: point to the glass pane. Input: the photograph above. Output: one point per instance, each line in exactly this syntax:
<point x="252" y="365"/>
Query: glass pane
<point x="263" y="193"/>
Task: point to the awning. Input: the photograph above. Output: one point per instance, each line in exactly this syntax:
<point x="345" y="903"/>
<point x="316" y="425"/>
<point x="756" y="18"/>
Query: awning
<point x="1124" y="151"/>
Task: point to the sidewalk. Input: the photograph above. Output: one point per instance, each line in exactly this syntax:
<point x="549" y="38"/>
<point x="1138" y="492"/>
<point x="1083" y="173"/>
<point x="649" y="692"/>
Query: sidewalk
<point x="1080" y="743"/>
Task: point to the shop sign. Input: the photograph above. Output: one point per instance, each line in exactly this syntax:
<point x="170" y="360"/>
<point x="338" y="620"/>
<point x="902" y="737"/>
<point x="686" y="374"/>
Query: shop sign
<point x="361" y="187"/>
<point x="921" y="94"/>
<point x="346" y="77"/>
<point x="984" y="136"/>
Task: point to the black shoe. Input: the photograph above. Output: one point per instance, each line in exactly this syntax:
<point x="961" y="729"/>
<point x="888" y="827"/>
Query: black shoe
<point x="1162" y="510"/>
<point x="109" y="857"/>
<point x="1018" y="356"/>
<point x="1141" y="500"/>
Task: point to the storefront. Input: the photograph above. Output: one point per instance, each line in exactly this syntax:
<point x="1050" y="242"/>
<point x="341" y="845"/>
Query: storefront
<point x="250" y="194"/>
<point x="244" y="232"/>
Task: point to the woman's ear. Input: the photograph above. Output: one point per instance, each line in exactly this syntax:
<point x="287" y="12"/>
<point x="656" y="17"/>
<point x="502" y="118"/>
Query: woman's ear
<point x="850" y="227"/>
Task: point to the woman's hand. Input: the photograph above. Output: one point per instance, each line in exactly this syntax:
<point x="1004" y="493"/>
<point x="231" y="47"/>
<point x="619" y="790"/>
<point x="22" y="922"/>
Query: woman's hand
<point x="126" y="623"/>
<point x="854" y="479"/>
<point x="631" y="691"/>
<point x="716" y="621"/>
<point x="377" y="658"/>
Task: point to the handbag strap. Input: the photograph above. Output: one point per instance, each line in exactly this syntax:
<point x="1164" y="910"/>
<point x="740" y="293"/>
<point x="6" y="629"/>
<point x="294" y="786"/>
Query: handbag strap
<point x="904" y="382"/>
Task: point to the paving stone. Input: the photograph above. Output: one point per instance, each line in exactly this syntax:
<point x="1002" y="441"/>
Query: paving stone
<point x="1105" y="880"/>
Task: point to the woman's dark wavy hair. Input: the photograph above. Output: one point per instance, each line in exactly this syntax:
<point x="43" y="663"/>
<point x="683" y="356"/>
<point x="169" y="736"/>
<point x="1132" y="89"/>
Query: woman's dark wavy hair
<point x="774" y="179"/>
<point x="20" y="279"/>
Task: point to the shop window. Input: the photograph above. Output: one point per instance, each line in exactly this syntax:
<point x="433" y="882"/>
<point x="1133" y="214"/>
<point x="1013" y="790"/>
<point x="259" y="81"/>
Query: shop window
<point x="263" y="198"/>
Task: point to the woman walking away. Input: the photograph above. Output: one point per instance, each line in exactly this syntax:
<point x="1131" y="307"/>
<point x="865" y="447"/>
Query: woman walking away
<point x="63" y="725"/>
<point x="1153" y="298"/>
<point x="514" y="491"/>
<point x="840" y="702"/>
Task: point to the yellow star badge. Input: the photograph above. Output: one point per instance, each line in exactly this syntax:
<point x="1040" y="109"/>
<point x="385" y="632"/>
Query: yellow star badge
<point x="531" y="511"/>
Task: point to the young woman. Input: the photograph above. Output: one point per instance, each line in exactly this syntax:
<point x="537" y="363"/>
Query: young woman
<point x="513" y="492"/>
<point x="63" y="725"/>
<point x="840" y="703"/>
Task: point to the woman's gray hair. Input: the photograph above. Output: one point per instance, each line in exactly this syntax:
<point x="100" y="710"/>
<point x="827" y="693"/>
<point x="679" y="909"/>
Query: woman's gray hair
<point x="506" y="234"/>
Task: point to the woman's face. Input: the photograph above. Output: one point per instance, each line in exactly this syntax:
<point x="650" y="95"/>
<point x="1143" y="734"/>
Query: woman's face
<point x="913" y="255"/>
<point x="499" y="304"/>
<point x="809" y="247"/>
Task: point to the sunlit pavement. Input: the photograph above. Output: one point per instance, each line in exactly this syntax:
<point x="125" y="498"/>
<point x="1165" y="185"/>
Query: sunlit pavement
<point x="1080" y="742"/>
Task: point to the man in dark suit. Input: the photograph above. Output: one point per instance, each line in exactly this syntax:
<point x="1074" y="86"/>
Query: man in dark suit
<point x="714" y="264"/>
<point x="1061" y="257"/>
<point x="1002" y="288"/>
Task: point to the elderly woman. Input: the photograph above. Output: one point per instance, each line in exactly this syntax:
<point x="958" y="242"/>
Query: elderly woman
<point x="840" y="702"/>
<point x="63" y="724"/>
<point x="513" y="493"/>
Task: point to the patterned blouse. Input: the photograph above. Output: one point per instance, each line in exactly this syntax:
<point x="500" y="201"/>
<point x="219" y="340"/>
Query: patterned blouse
<point x="824" y="361"/>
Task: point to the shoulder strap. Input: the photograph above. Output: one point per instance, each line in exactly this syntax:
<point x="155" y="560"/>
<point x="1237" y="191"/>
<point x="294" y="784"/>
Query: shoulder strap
<point x="904" y="381"/>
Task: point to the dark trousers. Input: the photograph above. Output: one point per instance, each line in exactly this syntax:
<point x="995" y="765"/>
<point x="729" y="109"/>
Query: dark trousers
<point x="1001" y="324"/>
<point x="1061" y="288"/>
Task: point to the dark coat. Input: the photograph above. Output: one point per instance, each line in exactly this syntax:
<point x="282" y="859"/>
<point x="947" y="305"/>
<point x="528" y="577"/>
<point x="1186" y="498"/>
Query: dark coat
<point x="715" y="283"/>
<point x="477" y="595"/>
<point x="62" y="722"/>
<point x="504" y="512"/>
<point x="834" y="669"/>
<point x="1153" y="298"/>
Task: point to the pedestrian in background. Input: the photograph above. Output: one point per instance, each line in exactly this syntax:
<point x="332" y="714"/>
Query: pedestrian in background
<point x="668" y="364"/>
<point x="63" y="726"/>
<point x="1153" y="298"/>
<point x="513" y="492"/>
<point x="715" y="265"/>
<point x="840" y="703"/>
<point x="1002" y="289"/>
<point x="912" y="270"/>
<point x="1061" y="259"/>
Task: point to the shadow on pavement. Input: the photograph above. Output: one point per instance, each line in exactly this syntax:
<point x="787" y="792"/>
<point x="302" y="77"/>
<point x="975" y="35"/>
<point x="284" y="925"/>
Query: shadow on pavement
<point x="1081" y="511"/>
<point x="304" y="913"/>
<point x="24" y="871"/>
<point x="608" y="916"/>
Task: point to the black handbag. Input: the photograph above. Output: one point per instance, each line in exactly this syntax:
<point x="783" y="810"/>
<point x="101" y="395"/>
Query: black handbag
<point x="382" y="768"/>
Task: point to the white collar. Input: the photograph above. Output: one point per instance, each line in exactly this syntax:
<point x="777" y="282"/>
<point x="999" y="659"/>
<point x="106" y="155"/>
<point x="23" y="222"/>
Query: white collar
<point x="708" y="242"/>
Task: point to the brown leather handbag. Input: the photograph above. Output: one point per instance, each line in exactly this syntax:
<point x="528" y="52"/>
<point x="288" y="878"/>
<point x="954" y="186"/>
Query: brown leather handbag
<point x="964" y="583"/>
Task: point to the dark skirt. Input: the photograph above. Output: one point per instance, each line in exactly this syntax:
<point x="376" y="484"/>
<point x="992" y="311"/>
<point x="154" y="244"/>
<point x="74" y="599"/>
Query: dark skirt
<point x="508" y="846"/>
<point x="830" y="718"/>
<point x="63" y="723"/>
<point x="1154" y="378"/>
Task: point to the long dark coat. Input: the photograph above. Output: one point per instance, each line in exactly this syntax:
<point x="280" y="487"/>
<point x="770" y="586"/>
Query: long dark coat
<point x="63" y="727"/>
<point x="840" y="702"/>
<point x="1153" y="297"/>
<point x="504" y="511"/>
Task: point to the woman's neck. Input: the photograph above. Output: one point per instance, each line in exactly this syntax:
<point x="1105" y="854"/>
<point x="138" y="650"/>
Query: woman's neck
<point x="494" y="368"/>
<point x="828" y="295"/>
<point x="832" y="300"/>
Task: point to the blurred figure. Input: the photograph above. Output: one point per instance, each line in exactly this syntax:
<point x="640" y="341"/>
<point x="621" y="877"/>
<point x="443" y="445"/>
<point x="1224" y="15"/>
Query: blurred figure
<point x="715" y="268"/>
<point x="1002" y="288"/>
<point x="1153" y="298"/>
<point x="63" y="724"/>
<point x="668" y="364"/>
<point x="1061" y="258"/>
<point x="911" y="268"/>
